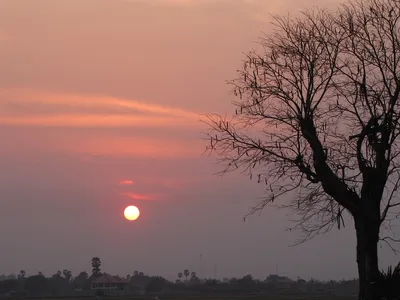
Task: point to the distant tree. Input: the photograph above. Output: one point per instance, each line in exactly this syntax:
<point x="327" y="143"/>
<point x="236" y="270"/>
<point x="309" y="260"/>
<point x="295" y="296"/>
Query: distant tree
<point x="80" y="282"/>
<point x="211" y="282"/>
<point x="180" y="275"/>
<point x="58" y="284"/>
<point x="140" y="279"/>
<point x="135" y="273"/>
<point x="301" y="281"/>
<point x="233" y="280"/>
<point x="37" y="285"/>
<point x="22" y="274"/>
<point x="317" y="119"/>
<point x="193" y="278"/>
<point x="96" y="267"/>
<point x="186" y="273"/>
<point x="40" y="274"/>
<point x="8" y="285"/>
<point x="248" y="279"/>
<point x="156" y="284"/>
<point x="83" y="274"/>
<point x="67" y="275"/>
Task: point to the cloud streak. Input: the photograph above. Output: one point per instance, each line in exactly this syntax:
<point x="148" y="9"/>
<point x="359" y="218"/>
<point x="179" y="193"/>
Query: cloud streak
<point x="26" y="107"/>
<point x="130" y="147"/>
<point x="136" y="196"/>
<point x="90" y="121"/>
<point x="126" y="182"/>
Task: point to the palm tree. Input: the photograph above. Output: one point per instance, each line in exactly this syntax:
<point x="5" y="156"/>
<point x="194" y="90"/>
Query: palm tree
<point x="180" y="275"/>
<point x="96" y="265"/>
<point x="193" y="275"/>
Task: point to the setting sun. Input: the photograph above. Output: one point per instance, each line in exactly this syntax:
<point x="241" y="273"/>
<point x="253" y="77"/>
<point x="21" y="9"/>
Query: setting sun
<point x="131" y="213"/>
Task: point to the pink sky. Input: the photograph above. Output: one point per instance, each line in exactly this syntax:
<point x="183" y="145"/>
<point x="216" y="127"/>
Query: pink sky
<point x="100" y="103"/>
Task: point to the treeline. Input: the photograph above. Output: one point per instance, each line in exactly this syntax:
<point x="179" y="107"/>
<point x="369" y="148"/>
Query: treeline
<point x="58" y="285"/>
<point x="63" y="283"/>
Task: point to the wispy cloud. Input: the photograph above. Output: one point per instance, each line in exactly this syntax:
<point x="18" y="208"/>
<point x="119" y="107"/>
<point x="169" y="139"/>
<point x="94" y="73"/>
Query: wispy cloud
<point x="90" y="121"/>
<point x="115" y="146"/>
<point x="185" y="2"/>
<point x="136" y="196"/>
<point x="31" y="107"/>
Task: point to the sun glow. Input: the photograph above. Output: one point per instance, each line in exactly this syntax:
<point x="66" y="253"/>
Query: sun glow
<point x="131" y="213"/>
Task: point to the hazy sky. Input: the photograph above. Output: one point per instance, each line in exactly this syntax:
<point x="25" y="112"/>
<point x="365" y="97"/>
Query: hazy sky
<point x="96" y="93"/>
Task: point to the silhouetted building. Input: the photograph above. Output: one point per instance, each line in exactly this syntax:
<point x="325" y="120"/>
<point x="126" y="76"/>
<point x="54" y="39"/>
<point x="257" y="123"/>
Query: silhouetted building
<point x="107" y="282"/>
<point x="281" y="282"/>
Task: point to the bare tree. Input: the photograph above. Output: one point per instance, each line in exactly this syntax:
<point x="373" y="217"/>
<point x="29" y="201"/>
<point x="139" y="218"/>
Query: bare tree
<point x="317" y="120"/>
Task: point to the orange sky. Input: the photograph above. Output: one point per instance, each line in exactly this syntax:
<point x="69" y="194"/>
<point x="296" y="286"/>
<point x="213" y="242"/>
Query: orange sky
<point x="100" y="102"/>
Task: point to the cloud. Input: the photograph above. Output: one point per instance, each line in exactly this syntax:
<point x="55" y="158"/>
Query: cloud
<point x="90" y="121"/>
<point x="136" y="196"/>
<point x="96" y="143"/>
<point x="172" y="2"/>
<point x="125" y="182"/>
<point x="29" y="107"/>
<point x="121" y="146"/>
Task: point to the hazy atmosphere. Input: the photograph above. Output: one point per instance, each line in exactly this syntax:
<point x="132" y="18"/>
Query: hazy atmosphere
<point x="100" y="108"/>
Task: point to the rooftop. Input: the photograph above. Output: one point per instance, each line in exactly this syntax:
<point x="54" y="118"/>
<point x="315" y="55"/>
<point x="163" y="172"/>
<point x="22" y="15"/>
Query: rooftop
<point x="107" y="278"/>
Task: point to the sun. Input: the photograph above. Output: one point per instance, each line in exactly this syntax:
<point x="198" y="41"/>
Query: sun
<point x="131" y="213"/>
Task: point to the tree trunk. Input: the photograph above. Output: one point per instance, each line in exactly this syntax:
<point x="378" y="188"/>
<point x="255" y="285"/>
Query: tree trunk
<point x="367" y="258"/>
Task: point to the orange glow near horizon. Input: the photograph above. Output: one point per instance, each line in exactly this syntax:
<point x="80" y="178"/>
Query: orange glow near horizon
<point x="126" y="182"/>
<point x="131" y="213"/>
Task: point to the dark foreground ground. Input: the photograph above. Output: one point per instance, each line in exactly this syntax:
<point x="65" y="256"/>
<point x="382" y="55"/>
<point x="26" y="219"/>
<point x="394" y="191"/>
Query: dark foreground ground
<point x="187" y="297"/>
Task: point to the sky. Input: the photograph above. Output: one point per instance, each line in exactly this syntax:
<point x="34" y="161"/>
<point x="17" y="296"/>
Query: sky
<point x="100" y="108"/>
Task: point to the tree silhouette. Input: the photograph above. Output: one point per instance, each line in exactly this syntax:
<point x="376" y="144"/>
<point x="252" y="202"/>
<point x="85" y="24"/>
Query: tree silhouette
<point x="57" y="284"/>
<point x="22" y="274"/>
<point x="67" y="275"/>
<point x="186" y="273"/>
<point x="194" y="278"/>
<point x="80" y="281"/>
<point x="180" y="275"/>
<point x="36" y="285"/>
<point x="96" y="264"/>
<point x="317" y="120"/>
<point x="156" y="284"/>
